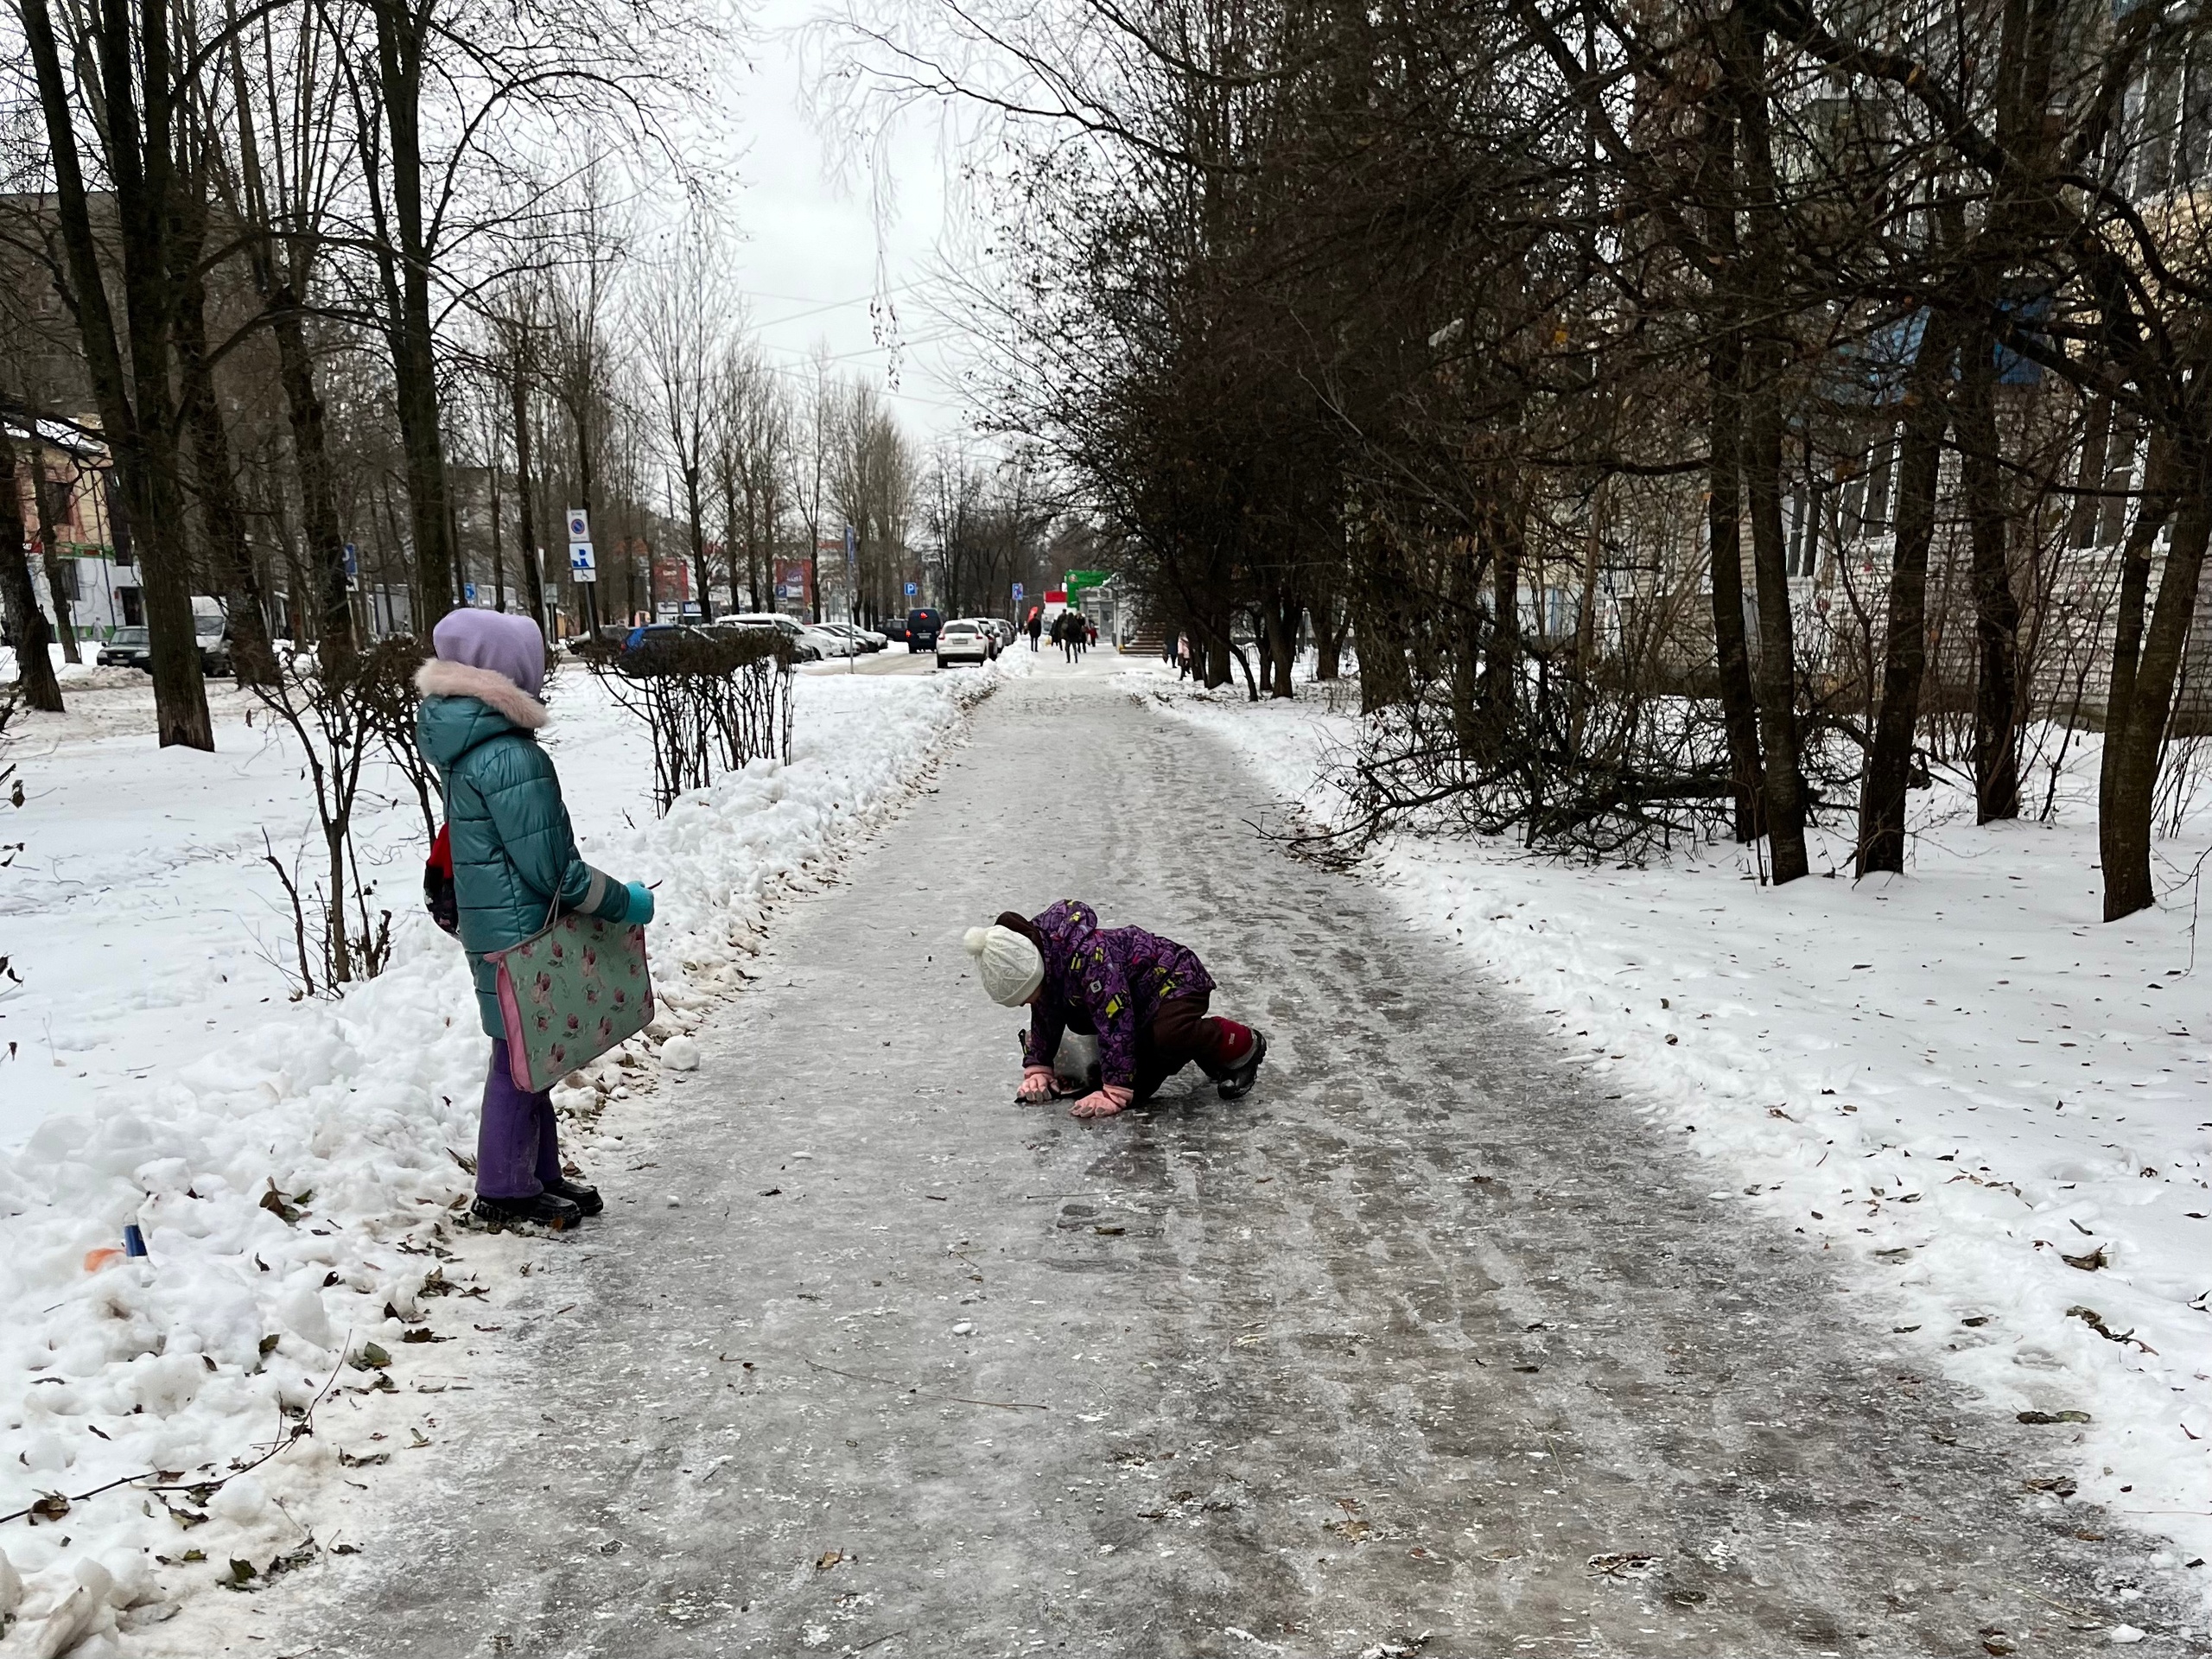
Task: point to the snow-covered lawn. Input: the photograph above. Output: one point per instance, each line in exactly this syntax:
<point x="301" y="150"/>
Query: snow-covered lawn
<point x="292" y="1166"/>
<point x="1994" y="1106"/>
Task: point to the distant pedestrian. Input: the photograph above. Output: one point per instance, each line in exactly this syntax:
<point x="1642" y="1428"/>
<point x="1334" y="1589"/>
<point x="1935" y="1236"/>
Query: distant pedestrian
<point x="1064" y="635"/>
<point x="514" y="868"/>
<point x="1036" y="623"/>
<point x="1183" y="669"/>
<point x="1090" y="634"/>
<point x="1143" y="996"/>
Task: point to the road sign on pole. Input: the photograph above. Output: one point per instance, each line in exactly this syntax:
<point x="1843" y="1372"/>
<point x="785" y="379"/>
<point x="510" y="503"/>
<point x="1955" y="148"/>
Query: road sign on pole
<point x="583" y="565"/>
<point x="352" y="566"/>
<point x="911" y="590"/>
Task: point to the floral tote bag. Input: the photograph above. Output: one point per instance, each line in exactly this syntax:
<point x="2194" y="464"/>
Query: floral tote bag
<point x="570" y="992"/>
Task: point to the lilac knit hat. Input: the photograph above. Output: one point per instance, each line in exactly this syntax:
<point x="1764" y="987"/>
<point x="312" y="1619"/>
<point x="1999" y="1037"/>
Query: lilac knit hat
<point x="510" y="646"/>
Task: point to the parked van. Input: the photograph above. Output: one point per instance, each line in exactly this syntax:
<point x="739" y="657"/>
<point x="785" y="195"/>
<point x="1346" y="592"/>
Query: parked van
<point x="922" y="628"/>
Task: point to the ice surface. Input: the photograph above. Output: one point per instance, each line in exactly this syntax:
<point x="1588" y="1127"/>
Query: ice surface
<point x="1957" y="1078"/>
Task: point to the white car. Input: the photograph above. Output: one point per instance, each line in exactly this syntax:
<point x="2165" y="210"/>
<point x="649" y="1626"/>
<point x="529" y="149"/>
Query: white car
<point x="965" y="642"/>
<point x="829" y="642"/>
<point x="865" y="638"/>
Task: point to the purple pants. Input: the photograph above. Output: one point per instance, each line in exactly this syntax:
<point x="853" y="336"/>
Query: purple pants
<point x="517" y="1146"/>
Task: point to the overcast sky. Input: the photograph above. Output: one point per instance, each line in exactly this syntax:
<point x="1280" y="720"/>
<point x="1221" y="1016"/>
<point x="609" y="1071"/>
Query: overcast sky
<point x="814" y="256"/>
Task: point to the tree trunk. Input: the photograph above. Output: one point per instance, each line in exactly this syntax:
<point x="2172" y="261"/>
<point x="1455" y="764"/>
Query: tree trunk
<point x="2089" y="474"/>
<point x="1997" y="608"/>
<point x="1499" y="691"/>
<point x="1725" y="531"/>
<point x="1905" y="649"/>
<point x="1374" y="603"/>
<point x="2124" y="828"/>
<point x="278" y="279"/>
<point x="326" y="540"/>
<point x="1585" y="621"/>
<point x="253" y="659"/>
<point x="1724" y="499"/>
<point x="1328" y="644"/>
<point x="498" y="534"/>
<point x="700" y="573"/>
<point x="1217" y="619"/>
<point x="533" y="571"/>
<point x="136" y="410"/>
<point x="2156" y="508"/>
<point x="56" y="581"/>
<point x="1287" y="614"/>
<point x="401" y="40"/>
<point x="340" y="951"/>
<point x="1775" y="682"/>
<point x="26" y="630"/>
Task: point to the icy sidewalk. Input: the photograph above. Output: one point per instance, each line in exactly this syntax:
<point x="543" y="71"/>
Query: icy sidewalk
<point x="1995" y="1103"/>
<point x="289" y="1165"/>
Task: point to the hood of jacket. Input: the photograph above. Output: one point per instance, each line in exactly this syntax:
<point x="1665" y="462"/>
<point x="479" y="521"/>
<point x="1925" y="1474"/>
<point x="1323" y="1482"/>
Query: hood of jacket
<point x="463" y="707"/>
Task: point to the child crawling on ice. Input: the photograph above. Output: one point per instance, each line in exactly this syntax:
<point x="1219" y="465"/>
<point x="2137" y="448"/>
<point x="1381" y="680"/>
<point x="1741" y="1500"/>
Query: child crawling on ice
<point x="1142" y="996"/>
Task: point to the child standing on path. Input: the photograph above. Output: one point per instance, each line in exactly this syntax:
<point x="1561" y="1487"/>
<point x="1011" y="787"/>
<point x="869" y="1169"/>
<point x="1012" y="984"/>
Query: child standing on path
<point x="1144" y="997"/>
<point x="514" y="866"/>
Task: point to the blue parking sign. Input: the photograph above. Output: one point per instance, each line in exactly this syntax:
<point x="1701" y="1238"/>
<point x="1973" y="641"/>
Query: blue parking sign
<point x="911" y="590"/>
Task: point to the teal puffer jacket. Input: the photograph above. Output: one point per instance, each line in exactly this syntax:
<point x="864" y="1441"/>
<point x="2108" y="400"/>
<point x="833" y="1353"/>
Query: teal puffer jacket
<point x="513" y="852"/>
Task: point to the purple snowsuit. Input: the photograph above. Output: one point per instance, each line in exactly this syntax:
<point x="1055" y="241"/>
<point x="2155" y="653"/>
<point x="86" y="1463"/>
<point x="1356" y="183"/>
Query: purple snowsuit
<point x="1109" y="981"/>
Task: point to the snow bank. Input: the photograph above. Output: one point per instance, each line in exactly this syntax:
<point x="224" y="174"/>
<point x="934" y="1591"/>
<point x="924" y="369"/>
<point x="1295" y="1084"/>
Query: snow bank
<point x="1991" y="1104"/>
<point x="293" y="1173"/>
<point x="88" y="672"/>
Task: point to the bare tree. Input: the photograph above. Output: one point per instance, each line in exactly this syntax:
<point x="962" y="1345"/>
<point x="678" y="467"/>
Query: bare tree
<point x="122" y="64"/>
<point x="684" y="312"/>
<point x="754" y="463"/>
<point x="872" y="481"/>
<point x="813" y="458"/>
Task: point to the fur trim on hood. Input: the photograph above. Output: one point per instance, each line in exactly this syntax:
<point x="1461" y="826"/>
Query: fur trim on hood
<point x="443" y="679"/>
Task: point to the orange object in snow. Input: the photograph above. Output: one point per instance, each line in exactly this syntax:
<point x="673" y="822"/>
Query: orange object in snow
<point x="95" y="1260"/>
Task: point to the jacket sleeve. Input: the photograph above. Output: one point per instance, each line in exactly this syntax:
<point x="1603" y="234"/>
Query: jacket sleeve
<point x="1051" y="930"/>
<point x="1105" y="992"/>
<point x="1045" y="1030"/>
<point x="522" y="792"/>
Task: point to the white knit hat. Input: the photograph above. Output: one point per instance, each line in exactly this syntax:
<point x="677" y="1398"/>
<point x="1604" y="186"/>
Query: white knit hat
<point x="1010" y="966"/>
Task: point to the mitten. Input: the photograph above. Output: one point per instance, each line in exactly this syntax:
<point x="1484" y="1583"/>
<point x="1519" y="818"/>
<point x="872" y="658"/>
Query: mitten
<point x="641" y="903"/>
<point x="1036" y="1084"/>
<point x="1109" y="1099"/>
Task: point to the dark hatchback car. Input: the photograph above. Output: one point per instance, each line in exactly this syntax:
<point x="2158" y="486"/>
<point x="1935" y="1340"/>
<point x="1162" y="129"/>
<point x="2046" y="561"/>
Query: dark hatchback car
<point x="922" y="629"/>
<point x="130" y="648"/>
<point x="893" y="628"/>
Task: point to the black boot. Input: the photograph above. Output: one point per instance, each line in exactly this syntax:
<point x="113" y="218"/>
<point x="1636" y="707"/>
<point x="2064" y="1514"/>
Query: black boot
<point x="548" y="1209"/>
<point x="1237" y="1083"/>
<point x="586" y="1198"/>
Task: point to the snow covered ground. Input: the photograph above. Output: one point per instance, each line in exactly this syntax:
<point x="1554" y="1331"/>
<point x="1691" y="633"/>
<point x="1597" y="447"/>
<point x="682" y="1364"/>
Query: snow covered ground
<point x="294" y="1167"/>
<point x="1996" y="1105"/>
